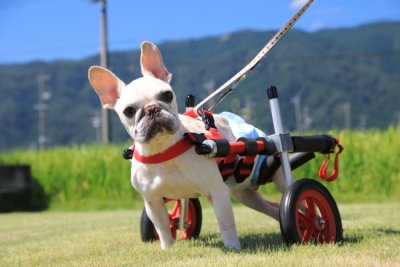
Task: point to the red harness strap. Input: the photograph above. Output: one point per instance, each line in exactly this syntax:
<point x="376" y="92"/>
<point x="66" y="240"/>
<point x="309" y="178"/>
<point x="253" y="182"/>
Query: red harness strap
<point x="325" y="164"/>
<point x="226" y="165"/>
<point x="172" y="152"/>
<point x="243" y="168"/>
<point x="178" y="148"/>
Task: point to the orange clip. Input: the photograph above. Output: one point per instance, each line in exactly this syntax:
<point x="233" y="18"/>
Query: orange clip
<point x="325" y="164"/>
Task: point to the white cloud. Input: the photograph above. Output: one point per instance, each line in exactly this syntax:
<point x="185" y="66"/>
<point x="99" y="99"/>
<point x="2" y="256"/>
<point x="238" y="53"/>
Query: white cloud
<point x="297" y="3"/>
<point x="317" y="25"/>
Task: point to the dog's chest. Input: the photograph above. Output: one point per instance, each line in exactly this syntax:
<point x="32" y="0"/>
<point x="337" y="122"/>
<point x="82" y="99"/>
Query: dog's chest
<point x="161" y="180"/>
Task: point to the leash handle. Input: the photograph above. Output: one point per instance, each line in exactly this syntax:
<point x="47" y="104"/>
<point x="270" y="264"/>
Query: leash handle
<point x="233" y="82"/>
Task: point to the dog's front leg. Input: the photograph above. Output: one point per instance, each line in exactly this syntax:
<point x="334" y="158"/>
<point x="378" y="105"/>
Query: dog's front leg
<point x="158" y="214"/>
<point x="221" y="202"/>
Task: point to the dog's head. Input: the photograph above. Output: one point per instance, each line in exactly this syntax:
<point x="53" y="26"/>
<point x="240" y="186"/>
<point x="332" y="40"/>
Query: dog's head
<point x="147" y="106"/>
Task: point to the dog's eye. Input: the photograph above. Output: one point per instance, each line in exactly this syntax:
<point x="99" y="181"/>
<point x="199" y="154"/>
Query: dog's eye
<point x="129" y="112"/>
<point x="166" y="96"/>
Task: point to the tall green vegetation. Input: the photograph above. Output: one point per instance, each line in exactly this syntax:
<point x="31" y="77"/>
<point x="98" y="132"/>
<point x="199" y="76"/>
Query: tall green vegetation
<point x="96" y="177"/>
<point x="369" y="168"/>
<point x="80" y="177"/>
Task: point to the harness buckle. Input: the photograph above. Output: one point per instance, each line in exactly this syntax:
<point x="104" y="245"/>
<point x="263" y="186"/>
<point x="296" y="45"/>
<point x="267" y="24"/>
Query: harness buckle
<point x="204" y="118"/>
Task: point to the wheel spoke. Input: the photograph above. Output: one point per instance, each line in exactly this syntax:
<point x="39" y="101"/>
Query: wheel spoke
<point x="307" y="234"/>
<point x="313" y="217"/>
<point x="329" y="232"/>
<point x="321" y="236"/>
<point x="189" y="218"/>
<point x="310" y="207"/>
<point x="173" y="232"/>
<point x="185" y="235"/>
<point x="174" y="213"/>
<point x="326" y="219"/>
<point x="304" y="218"/>
<point x="190" y="212"/>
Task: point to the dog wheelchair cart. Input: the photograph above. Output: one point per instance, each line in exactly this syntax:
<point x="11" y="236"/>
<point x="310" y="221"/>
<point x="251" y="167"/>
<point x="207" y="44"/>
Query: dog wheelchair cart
<point x="308" y="212"/>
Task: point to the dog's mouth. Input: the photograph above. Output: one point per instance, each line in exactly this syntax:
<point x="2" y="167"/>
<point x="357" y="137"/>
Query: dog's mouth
<point x="153" y="120"/>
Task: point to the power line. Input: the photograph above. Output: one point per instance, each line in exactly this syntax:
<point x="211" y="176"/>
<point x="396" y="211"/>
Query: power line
<point x="361" y="55"/>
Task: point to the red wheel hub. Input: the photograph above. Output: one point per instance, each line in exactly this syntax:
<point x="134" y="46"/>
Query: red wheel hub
<point x="174" y="216"/>
<point x="314" y="218"/>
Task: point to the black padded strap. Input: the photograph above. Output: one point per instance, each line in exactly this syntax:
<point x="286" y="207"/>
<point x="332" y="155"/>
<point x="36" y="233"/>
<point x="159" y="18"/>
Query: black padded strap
<point x="250" y="146"/>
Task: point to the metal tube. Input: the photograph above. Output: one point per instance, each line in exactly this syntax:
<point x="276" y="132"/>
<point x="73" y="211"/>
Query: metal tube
<point x="190" y="100"/>
<point x="276" y="115"/>
<point x="183" y="214"/>
<point x="278" y="127"/>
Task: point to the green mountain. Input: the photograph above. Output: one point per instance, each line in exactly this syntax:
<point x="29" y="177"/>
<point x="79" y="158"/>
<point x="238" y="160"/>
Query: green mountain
<point x="339" y="78"/>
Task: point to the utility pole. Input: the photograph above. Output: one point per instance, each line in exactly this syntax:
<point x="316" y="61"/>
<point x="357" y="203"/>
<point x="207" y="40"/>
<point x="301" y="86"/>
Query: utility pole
<point x="346" y="108"/>
<point x="398" y="118"/>
<point x="96" y="123"/>
<point x="105" y="115"/>
<point x="247" y="110"/>
<point x="209" y="86"/>
<point x="297" y="113"/>
<point x="363" y="121"/>
<point x="41" y="107"/>
<point x="307" y="119"/>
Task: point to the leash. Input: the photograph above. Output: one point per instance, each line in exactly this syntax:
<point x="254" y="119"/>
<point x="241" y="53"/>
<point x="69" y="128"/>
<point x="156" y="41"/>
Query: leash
<point x="233" y="82"/>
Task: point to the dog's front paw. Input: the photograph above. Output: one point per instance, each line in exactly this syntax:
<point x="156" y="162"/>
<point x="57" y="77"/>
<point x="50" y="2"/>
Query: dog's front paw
<point x="166" y="244"/>
<point x="233" y="244"/>
<point x="230" y="239"/>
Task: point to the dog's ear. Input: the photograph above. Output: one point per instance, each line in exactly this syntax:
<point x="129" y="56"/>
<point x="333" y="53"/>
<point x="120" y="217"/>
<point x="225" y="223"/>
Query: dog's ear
<point x="106" y="84"/>
<point x="152" y="63"/>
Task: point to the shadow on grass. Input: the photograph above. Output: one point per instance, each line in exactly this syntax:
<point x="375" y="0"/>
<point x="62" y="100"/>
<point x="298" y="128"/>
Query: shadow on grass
<point x="387" y="231"/>
<point x="355" y="238"/>
<point x="251" y="243"/>
<point x="352" y="239"/>
<point x="256" y="243"/>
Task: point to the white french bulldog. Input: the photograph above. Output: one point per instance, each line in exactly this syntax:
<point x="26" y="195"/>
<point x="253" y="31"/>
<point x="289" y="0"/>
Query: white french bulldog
<point x="148" y="110"/>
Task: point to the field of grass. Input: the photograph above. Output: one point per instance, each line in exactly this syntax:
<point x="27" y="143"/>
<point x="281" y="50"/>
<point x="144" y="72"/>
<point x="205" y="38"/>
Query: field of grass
<point x="111" y="238"/>
<point x="96" y="177"/>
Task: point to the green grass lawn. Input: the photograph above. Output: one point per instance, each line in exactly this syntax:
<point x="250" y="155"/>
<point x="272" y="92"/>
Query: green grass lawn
<point x="112" y="238"/>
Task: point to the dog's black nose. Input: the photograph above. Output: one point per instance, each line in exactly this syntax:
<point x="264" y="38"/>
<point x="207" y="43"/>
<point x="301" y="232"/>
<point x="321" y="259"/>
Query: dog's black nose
<point x="151" y="110"/>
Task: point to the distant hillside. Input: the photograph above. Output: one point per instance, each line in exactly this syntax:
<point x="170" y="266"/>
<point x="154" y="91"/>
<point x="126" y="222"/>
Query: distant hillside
<point x="341" y="78"/>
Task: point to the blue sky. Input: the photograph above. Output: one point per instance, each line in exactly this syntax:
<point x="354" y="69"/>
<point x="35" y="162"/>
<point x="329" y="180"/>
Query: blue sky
<point x="69" y="29"/>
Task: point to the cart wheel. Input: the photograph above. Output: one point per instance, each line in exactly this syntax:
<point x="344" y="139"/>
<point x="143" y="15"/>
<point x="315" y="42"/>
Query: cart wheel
<point x="308" y="213"/>
<point x="194" y="219"/>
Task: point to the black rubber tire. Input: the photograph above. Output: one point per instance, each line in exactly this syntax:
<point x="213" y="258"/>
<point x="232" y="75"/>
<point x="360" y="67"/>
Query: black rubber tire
<point x="149" y="234"/>
<point x="147" y="230"/>
<point x="288" y="210"/>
